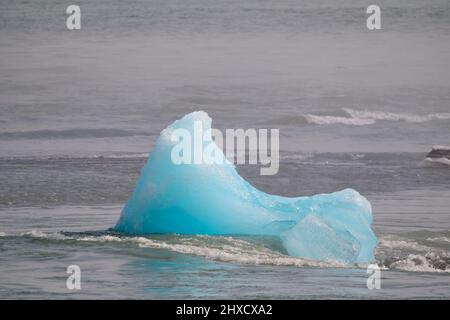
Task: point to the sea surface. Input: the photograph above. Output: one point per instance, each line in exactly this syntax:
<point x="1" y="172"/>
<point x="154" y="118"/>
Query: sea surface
<point x="81" y="110"/>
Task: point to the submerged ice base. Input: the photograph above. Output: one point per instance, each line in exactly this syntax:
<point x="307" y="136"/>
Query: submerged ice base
<point x="214" y="199"/>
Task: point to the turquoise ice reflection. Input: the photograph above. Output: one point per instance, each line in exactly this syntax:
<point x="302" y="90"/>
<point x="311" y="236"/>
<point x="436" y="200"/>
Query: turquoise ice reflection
<point x="214" y="199"/>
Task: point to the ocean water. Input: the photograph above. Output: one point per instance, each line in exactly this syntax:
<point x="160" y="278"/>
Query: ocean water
<point x="80" y="110"/>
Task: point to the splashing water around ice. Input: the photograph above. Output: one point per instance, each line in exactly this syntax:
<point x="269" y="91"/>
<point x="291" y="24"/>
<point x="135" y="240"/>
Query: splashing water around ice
<point x="214" y="199"/>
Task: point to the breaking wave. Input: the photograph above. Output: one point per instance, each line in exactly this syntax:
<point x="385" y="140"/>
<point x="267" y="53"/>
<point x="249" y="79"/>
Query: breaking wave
<point x="323" y="120"/>
<point x="430" y="262"/>
<point x="393" y="253"/>
<point x="439" y="239"/>
<point x="401" y="244"/>
<point x="366" y="117"/>
<point x="410" y="255"/>
<point x="217" y="248"/>
<point x="436" y="161"/>
<point x="391" y="116"/>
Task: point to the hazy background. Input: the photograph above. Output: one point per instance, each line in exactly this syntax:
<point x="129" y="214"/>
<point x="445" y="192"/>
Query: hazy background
<point x="135" y="66"/>
<point x="80" y="110"/>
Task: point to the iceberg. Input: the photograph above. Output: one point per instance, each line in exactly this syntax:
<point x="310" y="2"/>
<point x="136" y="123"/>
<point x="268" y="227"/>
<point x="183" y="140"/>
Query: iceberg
<point x="213" y="199"/>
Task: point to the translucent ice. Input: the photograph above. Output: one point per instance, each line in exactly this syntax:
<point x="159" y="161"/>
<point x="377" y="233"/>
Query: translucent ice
<point x="214" y="199"/>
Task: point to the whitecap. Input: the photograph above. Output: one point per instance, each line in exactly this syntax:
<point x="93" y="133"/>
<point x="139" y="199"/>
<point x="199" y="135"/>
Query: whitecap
<point x="431" y="262"/>
<point x="324" y="120"/>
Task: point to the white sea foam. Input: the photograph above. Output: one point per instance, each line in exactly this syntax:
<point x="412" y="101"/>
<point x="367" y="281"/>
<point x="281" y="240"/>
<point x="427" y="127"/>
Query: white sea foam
<point x="324" y="120"/>
<point x="412" y="256"/>
<point x="391" y="116"/>
<point x="401" y="244"/>
<point x="229" y="249"/>
<point x="254" y="257"/>
<point x="438" y="147"/>
<point x="441" y="160"/>
<point x="233" y="250"/>
<point x="366" y="117"/>
<point x="439" y="239"/>
<point x="431" y="262"/>
<point x="36" y="234"/>
<point x="216" y="248"/>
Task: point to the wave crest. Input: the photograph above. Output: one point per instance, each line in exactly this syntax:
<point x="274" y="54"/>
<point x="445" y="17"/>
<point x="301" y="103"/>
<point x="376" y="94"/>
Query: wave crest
<point x="399" y="254"/>
<point x="366" y="117"/>
<point x="216" y="248"/>
<point x="323" y="120"/>
<point x="430" y="262"/>
<point x="391" y="116"/>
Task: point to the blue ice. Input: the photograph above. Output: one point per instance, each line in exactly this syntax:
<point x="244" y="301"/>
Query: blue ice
<point x="214" y="199"/>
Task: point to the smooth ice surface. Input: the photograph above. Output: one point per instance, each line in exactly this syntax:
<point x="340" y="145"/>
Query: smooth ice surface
<point x="214" y="199"/>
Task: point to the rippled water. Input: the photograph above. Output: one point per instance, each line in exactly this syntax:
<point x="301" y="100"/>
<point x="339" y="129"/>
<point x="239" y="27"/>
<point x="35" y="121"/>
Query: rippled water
<point x="79" y="112"/>
<point x="48" y="226"/>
